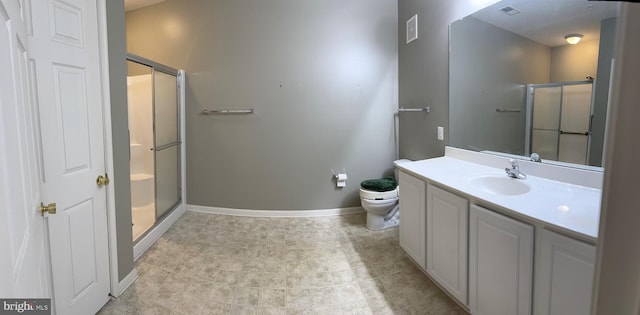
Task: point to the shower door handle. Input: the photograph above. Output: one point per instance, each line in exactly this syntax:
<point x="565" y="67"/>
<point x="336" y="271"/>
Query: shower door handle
<point x="102" y="180"/>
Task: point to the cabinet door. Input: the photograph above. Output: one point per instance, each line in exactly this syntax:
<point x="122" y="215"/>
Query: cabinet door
<point x="500" y="264"/>
<point x="564" y="278"/>
<point x="412" y="217"/>
<point x="447" y="241"/>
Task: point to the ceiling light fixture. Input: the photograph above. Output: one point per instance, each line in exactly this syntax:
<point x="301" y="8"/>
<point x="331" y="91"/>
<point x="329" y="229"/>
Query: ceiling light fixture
<point x="573" y="38"/>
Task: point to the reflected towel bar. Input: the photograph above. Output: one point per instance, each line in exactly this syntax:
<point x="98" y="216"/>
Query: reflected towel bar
<point x="226" y="111"/>
<point x="586" y="133"/>
<point x="166" y="146"/>
<point x="424" y="109"/>
<point x="508" y="110"/>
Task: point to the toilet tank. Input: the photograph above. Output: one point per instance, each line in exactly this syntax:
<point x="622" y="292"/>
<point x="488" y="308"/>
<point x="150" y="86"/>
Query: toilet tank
<point x="395" y="166"/>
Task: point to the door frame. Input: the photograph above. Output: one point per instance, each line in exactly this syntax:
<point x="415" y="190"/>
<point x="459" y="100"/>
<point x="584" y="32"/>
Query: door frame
<point x="117" y="286"/>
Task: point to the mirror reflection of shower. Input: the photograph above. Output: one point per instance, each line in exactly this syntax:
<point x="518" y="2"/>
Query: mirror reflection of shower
<point x="154" y="139"/>
<point x="559" y="121"/>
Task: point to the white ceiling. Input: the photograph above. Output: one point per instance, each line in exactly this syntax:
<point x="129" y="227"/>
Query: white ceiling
<point x="548" y="21"/>
<point x="137" y="4"/>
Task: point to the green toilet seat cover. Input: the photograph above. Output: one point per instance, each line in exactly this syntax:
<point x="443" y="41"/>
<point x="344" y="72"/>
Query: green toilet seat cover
<point x="381" y="184"/>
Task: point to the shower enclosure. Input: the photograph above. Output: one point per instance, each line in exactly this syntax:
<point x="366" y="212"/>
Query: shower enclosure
<point x="155" y="146"/>
<point x="559" y="121"/>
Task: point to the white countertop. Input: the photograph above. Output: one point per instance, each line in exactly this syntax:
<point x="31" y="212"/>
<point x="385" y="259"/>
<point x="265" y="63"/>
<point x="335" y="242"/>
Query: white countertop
<point x="570" y="208"/>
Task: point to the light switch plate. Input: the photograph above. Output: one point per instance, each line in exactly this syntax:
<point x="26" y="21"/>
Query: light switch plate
<point x="440" y="133"/>
<point x="412" y="28"/>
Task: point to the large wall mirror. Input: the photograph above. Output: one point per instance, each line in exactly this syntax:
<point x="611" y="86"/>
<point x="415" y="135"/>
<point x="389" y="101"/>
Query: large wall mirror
<point x="518" y="86"/>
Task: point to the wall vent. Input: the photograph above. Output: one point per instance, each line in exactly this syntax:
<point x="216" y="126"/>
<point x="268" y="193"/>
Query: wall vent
<point x="509" y="10"/>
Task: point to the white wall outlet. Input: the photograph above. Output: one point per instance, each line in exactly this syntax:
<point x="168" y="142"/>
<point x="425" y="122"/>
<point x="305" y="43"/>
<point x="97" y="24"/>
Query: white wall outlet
<point x="440" y="133"/>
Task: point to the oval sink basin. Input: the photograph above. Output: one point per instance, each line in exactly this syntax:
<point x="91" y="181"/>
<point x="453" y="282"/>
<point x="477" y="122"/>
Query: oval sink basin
<point x="501" y="185"/>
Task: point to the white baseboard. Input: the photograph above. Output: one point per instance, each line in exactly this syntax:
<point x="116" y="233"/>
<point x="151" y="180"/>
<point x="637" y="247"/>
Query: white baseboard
<point x="126" y="283"/>
<point x="148" y="240"/>
<point x="274" y="213"/>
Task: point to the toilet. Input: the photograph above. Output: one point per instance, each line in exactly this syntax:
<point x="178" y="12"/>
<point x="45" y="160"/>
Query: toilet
<point x="382" y="206"/>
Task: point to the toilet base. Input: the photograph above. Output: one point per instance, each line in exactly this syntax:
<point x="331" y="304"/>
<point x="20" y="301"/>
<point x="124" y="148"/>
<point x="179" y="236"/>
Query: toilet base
<point x="379" y="222"/>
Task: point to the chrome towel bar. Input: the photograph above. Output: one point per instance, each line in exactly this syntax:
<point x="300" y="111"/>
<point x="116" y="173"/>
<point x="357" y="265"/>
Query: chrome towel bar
<point x="226" y="111"/>
<point x="405" y="110"/>
<point x="508" y="110"/>
<point x="586" y="133"/>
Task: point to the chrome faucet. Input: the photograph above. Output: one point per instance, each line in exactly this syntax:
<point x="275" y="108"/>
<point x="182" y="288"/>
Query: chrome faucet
<point x="514" y="171"/>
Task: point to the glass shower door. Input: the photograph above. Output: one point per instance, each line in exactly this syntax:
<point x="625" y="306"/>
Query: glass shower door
<point x="575" y="123"/>
<point x="141" y="162"/>
<point x="167" y="142"/>
<point x="547" y="103"/>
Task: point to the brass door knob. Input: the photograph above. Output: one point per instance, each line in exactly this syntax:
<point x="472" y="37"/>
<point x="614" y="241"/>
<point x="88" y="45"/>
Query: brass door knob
<point x="102" y="180"/>
<point x="50" y="208"/>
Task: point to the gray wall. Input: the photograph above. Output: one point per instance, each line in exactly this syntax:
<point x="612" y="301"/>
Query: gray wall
<point x="574" y="62"/>
<point x="321" y="76"/>
<point x="601" y="98"/>
<point x="489" y="69"/>
<point x="120" y="135"/>
<point x="423" y="73"/>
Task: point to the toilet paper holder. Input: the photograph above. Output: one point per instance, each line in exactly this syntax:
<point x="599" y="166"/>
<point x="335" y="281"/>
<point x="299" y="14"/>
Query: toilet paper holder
<point x="341" y="179"/>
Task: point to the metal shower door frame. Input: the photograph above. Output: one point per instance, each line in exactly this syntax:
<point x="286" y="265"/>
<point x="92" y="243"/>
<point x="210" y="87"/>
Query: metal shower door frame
<point x="157" y="67"/>
<point x="529" y="112"/>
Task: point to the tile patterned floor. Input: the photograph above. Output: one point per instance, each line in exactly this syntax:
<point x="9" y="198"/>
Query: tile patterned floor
<point x="214" y="264"/>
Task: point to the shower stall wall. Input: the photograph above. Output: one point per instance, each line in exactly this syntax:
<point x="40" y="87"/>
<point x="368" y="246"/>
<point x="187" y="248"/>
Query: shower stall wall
<point x="155" y="142"/>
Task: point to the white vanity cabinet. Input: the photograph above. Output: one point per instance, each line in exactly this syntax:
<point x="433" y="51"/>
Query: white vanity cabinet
<point x="564" y="277"/>
<point x="412" y="217"/>
<point x="523" y="239"/>
<point x="500" y="264"/>
<point x="447" y="216"/>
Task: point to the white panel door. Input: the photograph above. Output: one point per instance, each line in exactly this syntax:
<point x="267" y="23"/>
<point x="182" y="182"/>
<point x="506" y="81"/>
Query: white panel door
<point x="67" y="66"/>
<point x="500" y="264"/>
<point x="564" y="278"/>
<point x="447" y="241"/>
<point x="23" y="259"/>
<point x="412" y="217"/>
